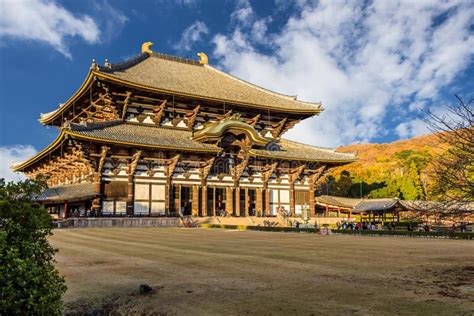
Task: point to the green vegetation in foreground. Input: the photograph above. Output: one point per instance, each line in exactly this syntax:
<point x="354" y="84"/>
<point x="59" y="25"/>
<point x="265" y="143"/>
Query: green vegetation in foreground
<point x="449" y="235"/>
<point x="29" y="282"/>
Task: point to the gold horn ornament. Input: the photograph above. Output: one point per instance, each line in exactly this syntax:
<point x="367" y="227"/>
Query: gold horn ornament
<point x="203" y="58"/>
<point x="146" y="47"/>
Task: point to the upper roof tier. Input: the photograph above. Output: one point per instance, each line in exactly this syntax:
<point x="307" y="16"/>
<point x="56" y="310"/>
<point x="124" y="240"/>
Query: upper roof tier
<point x="196" y="79"/>
<point x="192" y="78"/>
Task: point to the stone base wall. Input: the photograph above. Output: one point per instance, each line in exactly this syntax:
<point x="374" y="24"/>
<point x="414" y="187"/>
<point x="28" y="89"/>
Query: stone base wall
<point x="120" y="222"/>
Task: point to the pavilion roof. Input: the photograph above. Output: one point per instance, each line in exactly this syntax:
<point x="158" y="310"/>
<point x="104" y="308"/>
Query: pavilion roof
<point x="69" y="192"/>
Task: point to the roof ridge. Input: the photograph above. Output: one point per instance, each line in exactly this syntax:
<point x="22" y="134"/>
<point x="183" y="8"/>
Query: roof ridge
<point x="289" y="97"/>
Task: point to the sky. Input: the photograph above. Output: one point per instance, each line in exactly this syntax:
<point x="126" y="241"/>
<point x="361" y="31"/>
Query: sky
<point x="376" y="66"/>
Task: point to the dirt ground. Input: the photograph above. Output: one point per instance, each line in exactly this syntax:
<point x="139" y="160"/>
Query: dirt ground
<point x="213" y="271"/>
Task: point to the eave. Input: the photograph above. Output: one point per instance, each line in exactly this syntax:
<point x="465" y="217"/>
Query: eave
<point x="67" y="133"/>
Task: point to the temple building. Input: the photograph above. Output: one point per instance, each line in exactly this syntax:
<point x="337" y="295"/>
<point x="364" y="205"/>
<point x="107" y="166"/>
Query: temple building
<point x="159" y="135"/>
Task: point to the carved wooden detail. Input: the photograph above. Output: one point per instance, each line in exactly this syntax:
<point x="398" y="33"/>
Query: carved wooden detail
<point x="268" y="171"/>
<point x="191" y="117"/>
<point x="278" y="128"/>
<point x="171" y="166"/>
<point x="158" y="112"/>
<point x="295" y="173"/>
<point x="253" y="121"/>
<point x="205" y="168"/>
<point x="126" y="102"/>
<point x="132" y="167"/>
<point x="315" y="175"/>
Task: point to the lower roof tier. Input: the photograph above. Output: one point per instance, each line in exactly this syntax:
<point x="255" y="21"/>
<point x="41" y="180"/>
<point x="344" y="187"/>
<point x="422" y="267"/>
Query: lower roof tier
<point x="161" y="138"/>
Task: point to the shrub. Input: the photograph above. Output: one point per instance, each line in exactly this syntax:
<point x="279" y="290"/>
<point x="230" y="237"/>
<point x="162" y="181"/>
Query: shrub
<point x="29" y="282"/>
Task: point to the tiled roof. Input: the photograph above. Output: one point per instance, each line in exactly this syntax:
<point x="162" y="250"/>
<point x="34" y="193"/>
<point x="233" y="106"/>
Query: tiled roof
<point x="338" y="201"/>
<point x="295" y="150"/>
<point x="68" y="192"/>
<point x="359" y="205"/>
<point x="188" y="77"/>
<point x="149" y="136"/>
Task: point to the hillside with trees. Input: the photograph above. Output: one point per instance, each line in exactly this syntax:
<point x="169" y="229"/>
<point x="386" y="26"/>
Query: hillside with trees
<point x="400" y="169"/>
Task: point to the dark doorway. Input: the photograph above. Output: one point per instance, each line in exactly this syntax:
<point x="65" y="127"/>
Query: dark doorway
<point x="252" y="203"/>
<point x="220" y="199"/>
<point x="186" y="200"/>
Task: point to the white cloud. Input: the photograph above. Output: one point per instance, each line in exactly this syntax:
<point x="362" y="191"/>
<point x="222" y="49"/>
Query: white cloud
<point x="365" y="62"/>
<point x="191" y="35"/>
<point x="45" y="21"/>
<point x="412" y="128"/>
<point x="14" y="154"/>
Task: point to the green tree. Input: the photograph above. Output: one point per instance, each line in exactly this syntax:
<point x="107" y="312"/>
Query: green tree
<point x="29" y="282"/>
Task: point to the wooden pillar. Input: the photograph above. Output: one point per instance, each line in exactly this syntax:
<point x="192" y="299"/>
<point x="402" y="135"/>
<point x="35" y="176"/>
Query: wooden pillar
<point x="338" y="212"/>
<point x="229" y="200"/>
<point x="177" y="202"/>
<point x="350" y="213"/>
<point x="258" y="201"/>
<point x="195" y="203"/>
<point x="292" y="199"/>
<point x="204" y="200"/>
<point x="237" y="201"/>
<point x="326" y="211"/>
<point x="312" y="205"/>
<point x="96" y="202"/>
<point x="66" y="210"/>
<point x="168" y="195"/>
<point x="130" y="195"/>
<point x="214" y="201"/>
<point x="267" y="202"/>
<point x="246" y="206"/>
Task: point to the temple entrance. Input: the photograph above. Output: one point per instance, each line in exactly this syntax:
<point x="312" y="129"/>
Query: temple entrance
<point x="219" y="201"/>
<point x="186" y="197"/>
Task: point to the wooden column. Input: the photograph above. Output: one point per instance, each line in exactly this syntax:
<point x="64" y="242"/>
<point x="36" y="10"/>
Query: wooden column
<point x="195" y="203"/>
<point x="97" y="202"/>
<point x="312" y="205"/>
<point x="168" y="195"/>
<point x="204" y="200"/>
<point x="267" y="202"/>
<point x="214" y="201"/>
<point x="246" y="206"/>
<point x="66" y="210"/>
<point x="258" y="201"/>
<point x="229" y="201"/>
<point x="237" y="201"/>
<point x="292" y="199"/>
<point x="204" y="170"/>
<point x="169" y="189"/>
<point x="130" y="185"/>
<point x="177" y="202"/>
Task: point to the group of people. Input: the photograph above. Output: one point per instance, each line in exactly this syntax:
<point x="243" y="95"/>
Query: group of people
<point x="351" y="225"/>
<point x="462" y="227"/>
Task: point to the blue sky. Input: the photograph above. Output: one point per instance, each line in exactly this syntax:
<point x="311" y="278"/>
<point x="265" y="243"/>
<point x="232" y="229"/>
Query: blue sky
<point x="375" y="65"/>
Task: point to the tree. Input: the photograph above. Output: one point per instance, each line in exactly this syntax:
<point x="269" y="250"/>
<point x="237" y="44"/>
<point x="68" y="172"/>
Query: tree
<point x="29" y="282"/>
<point x="453" y="171"/>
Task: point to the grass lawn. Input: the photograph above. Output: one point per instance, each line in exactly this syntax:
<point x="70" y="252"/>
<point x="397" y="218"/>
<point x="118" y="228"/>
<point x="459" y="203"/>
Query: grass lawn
<point x="213" y="271"/>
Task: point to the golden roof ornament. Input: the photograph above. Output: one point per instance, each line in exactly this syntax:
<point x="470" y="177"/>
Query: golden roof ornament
<point x="94" y="65"/>
<point x="203" y="58"/>
<point x="146" y="48"/>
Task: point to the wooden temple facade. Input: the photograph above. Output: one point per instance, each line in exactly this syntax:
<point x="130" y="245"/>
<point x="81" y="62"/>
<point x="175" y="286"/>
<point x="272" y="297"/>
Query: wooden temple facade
<point x="162" y="135"/>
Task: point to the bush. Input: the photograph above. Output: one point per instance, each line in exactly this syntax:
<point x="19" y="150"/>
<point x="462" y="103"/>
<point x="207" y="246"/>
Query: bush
<point x="29" y="282"/>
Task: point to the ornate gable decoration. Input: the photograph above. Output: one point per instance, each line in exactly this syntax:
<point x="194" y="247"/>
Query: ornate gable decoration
<point x="215" y="130"/>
